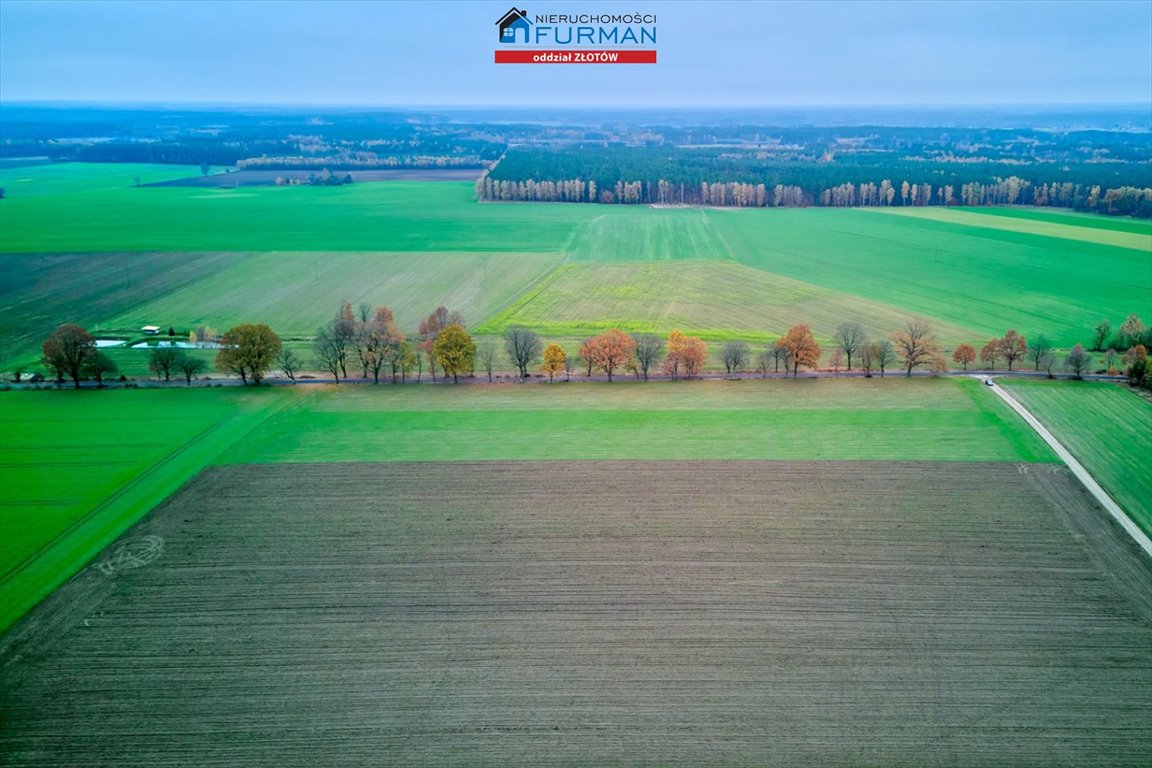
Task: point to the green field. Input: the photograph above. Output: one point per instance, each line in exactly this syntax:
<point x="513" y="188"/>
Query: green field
<point x="79" y="467"/>
<point x="945" y="420"/>
<point x="80" y="244"/>
<point x="717" y="300"/>
<point x="1088" y="230"/>
<point x="1108" y="429"/>
<point x="65" y="178"/>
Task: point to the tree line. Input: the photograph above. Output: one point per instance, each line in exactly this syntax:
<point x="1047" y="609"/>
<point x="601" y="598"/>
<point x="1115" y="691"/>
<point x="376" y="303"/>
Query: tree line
<point x="367" y="341"/>
<point x="731" y="178"/>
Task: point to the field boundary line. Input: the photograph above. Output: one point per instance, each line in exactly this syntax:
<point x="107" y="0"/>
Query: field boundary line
<point x="1077" y="468"/>
<point x="80" y="539"/>
<point x="108" y="501"/>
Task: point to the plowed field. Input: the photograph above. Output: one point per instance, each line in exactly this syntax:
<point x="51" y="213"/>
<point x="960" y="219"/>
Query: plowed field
<point x="597" y="613"/>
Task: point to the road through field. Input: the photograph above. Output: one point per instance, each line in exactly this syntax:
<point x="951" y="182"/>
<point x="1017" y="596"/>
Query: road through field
<point x="1077" y="468"/>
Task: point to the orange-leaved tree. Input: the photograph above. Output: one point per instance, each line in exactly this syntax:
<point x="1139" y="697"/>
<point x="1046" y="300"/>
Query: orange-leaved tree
<point x="964" y="354"/>
<point x="693" y="356"/>
<point x="686" y="354"/>
<point x="990" y="352"/>
<point x="801" y="347"/>
<point x="1013" y="347"/>
<point x="609" y="351"/>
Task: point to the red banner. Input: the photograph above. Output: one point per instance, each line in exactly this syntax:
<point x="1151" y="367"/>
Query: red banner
<point x="575" y="57"/>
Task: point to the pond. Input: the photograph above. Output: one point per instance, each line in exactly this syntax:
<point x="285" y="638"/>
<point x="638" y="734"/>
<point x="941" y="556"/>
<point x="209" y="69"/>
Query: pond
<point x="177" y="344"/>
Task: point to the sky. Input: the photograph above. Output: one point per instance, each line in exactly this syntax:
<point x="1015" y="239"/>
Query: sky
<point x="742" y="54"/>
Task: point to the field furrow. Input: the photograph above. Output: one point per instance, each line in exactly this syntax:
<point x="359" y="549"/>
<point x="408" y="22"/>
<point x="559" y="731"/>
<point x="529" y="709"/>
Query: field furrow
<point x="592" y="613"/>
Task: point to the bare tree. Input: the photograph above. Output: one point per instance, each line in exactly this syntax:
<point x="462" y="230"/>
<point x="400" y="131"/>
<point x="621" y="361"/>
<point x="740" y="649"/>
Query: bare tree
<point x="916" y="344"/>
<point x="837" y="360"/>
<point x="851" y="338"/>
<point x="98" y="365"/>
<point x="883" y="355"/>
<point x="868" y="360"/>
<point x="764" y="360"/>
<point x="289" y="363"/>
<point x="1078" y="361"/>
<point x="1038" y="349"/>
<point x="570" y="362"/>
<point x="330" y="351"/>
<point x="523" y="346"/>
<point x="486" y="354"/>
<point x="780" y="354"/>
<point x="162" y="360"/>
<point x="649" y="352"/>
<point x="735" y="356"/>
<point x="190" y="366"/>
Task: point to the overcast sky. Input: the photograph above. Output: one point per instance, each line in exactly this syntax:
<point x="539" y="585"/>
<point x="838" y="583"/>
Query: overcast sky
<point x="370" y="52"/>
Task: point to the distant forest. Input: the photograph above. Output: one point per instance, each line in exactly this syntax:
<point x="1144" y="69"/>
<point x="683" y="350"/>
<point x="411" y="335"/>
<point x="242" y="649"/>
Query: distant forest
<point x="1103" y="172"/>
<point x="1087" y="160"/>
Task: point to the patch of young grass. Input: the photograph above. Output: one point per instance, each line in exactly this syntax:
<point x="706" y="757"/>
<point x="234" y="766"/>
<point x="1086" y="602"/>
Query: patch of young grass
<point x="80" y="467"/>
<point x="891" y="419"/>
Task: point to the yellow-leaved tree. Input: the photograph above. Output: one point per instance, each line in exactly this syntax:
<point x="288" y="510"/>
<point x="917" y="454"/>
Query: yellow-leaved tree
<point x="554" y="360"/>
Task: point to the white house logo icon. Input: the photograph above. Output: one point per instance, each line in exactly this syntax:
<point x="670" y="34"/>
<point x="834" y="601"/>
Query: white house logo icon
<point x="512" y="22"/>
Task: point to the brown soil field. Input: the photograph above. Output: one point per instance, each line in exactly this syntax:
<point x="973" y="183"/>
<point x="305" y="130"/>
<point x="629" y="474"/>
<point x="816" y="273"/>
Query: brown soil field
<point x="597" y="614"/>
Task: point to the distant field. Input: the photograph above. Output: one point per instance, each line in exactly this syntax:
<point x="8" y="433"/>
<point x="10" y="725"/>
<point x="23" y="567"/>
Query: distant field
<point x="1075" y="218"/>
<point x="307" y="288"/>
<point x="384" y="216"/>
<point x="60" y="178"/>
<point x="597" y="614"/>
<point x="288" y="256"/>
<point x="716" y="300"/>
<point x="1089" y="230"/>
<point x="1108" y="429"/>
<point x="41" y="291"/>
<point x="984" y="279"/>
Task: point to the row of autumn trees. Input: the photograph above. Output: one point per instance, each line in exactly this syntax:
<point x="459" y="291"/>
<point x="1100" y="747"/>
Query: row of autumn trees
<point x="367" y="341"/>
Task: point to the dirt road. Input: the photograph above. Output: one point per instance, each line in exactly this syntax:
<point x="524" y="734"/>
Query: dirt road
<point x="1076" y="467"/>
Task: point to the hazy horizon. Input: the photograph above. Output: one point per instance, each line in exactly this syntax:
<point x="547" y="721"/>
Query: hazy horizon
<point x="726" y="55"/>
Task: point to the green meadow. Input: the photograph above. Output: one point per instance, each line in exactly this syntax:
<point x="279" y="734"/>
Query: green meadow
<point x="1107" y="428"/>
<point x="892" y="420"/>
<point x="81" y="243"/>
